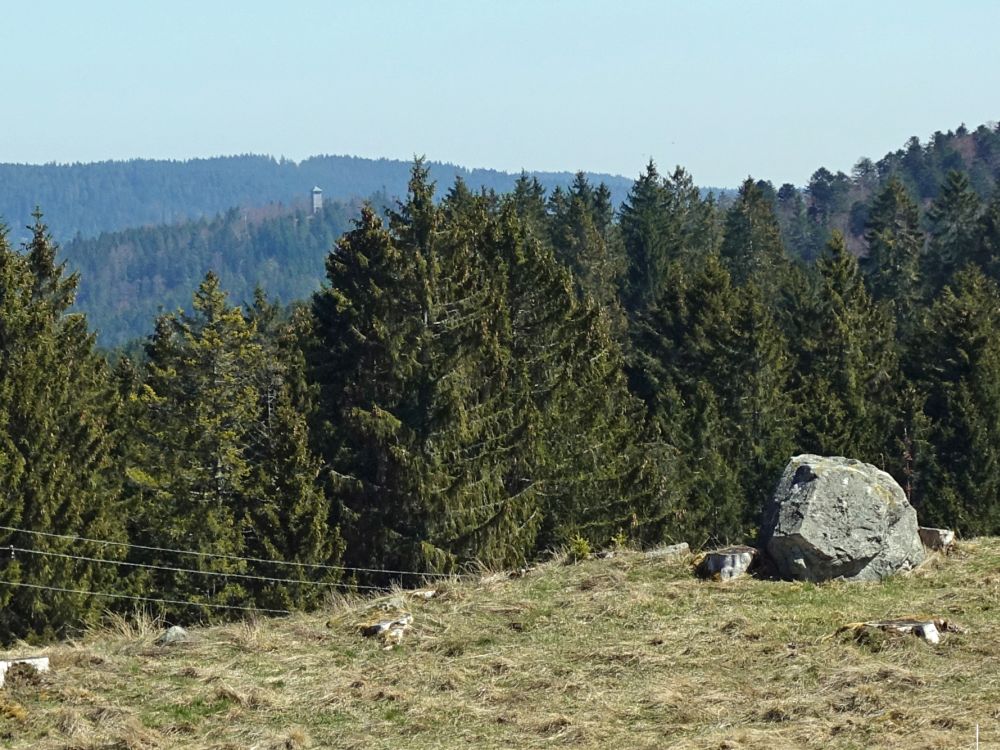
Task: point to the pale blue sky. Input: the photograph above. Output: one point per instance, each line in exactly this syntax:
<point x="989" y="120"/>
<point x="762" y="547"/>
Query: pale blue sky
<point x="772" y="89"/>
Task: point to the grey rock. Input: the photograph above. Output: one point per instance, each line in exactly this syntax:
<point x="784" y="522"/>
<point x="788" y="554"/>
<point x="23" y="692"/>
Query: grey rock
<point x="175" y="634"/>
<point x="833" y="517"/>
<point x="726" y="564"/>
<point x="939" y="540"/>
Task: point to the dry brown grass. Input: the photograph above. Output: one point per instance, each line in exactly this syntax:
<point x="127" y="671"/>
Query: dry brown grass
<point x="626" y="652"/>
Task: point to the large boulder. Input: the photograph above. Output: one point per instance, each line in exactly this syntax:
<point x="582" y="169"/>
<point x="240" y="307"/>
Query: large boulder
<point x="833" y="517"/>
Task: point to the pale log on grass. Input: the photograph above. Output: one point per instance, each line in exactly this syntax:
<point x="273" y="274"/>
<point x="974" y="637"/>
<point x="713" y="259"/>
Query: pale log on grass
<point x="929" y="630"/>
<point x="671" y="550"/>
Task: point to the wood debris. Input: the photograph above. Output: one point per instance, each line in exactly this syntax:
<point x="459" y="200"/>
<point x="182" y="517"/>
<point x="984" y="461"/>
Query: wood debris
<point x="929" y="630"/>
<point x="389" y="632"/>
<point x="423" y="593"/>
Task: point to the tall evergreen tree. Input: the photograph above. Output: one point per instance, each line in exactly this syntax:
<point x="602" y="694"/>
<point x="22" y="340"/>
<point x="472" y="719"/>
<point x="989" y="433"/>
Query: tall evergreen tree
<point x="694" y="217"/>
<point x="753" y="381"/>
<point x="581" y="236"/>
<point x="59" y="431"/>
<point x="222" y="467"/>
<point x="411" y="359"/>
<point x="710" y="363"/>
<point x="528" y="202"/>
<point x="662" y="220"/>
<point x="798" y="231"/>
<point x="363" y="362"/>
<point x="285" y="511"/>
<point x="960" y="373"/>
<point x="751" y="244"/>
<point x="954" y="231"/>
<point x="845" y="369"/>
<point x="468" y="426"/>
<point x="581" y="448"/>
<point x="646" y="237"/>
<point x="895" y="243"/>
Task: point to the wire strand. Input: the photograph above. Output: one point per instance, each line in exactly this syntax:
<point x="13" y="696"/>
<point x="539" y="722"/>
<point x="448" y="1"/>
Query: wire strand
<point x="246" y="576"/>
<point x="145" y="598"/>
<point x="319" y="566"/>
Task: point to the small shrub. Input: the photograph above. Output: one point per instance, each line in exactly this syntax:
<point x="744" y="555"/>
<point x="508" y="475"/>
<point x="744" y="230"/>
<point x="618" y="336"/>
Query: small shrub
<point x="579" y="549"/>
<point x="620" y="540"/>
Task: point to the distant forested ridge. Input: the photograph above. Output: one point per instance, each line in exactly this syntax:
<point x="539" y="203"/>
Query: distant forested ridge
<point x="87" y="199"/>
<point x="843" y="201"/>
<point x="128" y="277"/>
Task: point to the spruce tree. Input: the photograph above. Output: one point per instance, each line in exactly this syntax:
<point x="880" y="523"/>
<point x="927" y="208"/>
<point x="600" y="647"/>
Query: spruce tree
<point x="59" y="431"/>
<point x="960" y="373"/>
<point x="527" y="200"/>
<point x="662" y="220"/>
<point x="285" y="511"/>
<point x="191" y="468"/>
<point x="895" y="243"/>
<point x="846" y="368"/>
<point x="363" y="361"/>
<point x="709" y="361"/>
<point x="598" y="472"/>
<point x="646" y="235"/>
<point x="693" y="217"/>
<point x="411" y="356"/>
<point x="954" y="231"/>
<point x="751" y="245"/>
<point x="468" y="425"/>
<point x="582" y="240"/>
<point x="222" y="467"/>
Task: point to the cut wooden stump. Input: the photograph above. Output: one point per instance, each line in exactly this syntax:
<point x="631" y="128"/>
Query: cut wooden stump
<point x="939" y="540"/>
<point x="725" y="564"/>
<point x="38" y="663"/>
<point x="173" y="635"/>
<point x="423" y="593"/>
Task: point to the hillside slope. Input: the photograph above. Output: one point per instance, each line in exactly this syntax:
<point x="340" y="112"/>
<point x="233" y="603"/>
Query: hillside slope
<point x="627" y="652"/>
<point x="128" y="277"/>
<point x="840" y="201"/>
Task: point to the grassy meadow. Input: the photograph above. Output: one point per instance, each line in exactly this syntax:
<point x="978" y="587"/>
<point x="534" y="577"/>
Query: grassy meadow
<point x="626" y="652"/>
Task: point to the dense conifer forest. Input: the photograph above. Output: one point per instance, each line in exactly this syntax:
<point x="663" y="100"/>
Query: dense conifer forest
<point x="484" y="376"/>
<point x="128" y="277"/>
